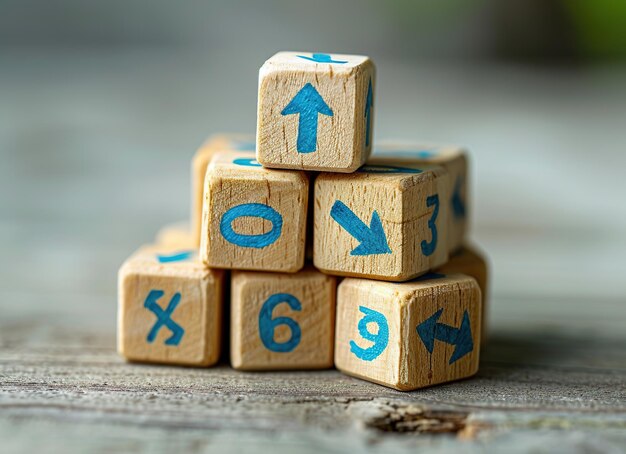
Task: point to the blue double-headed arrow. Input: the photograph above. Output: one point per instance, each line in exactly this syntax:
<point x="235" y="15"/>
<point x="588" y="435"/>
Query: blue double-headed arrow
<point x="322" y="58"/>
<point x="308" y="103"/>
<point x="430" y="330"/>
<point x="373" y="239"/>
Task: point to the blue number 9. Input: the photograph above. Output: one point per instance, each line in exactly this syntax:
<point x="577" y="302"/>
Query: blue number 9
<point x="380" y="339"/>
<point x="267" y="324"/>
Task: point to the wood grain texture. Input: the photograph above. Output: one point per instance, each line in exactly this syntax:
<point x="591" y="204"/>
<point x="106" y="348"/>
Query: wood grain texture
<point x="315" y="320"/>
<point x="454" y="159"/>
<point x="402" y="360"/>
<point x="228" y="185"/>
<point x="400" y="201"/>
<point x="471" y="261"/>
<point x="341" y="138"/>
<point x="197" y="315"/>
<point x="199" y="164"/>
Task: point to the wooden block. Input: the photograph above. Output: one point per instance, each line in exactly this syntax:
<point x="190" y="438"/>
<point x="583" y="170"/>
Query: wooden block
<point x="253" y="218"/>
<point x="282" y="321"/>
<point x="169" y="308"/>
<point x="409" y="335"/>
<point x="454" y="159"/>
<point x="315" y="111"/>
<point x="382" y="222"/>
<point x="468" y="260"/>
<point x="177" y="235"/>
<point x="199" y="164"/>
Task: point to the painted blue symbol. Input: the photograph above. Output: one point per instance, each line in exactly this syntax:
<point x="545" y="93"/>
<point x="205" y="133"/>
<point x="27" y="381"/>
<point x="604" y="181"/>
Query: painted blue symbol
<point x="369" y="103"/>
<point x="430" y="276"/>
<point x="250" y="162"/>
<point x="322" y="58"/>
<point x="175" y="257"/>
<point x="255" y="210"/>
<point x="373" y="239"/>
<point x="429" y="331"/>
<point x="380" y="338"/>
<point x="164" y="317"/>
<point x="429" y="247"/>
<point x="371" y="168"/>
<point x="458" y="204"/>
<point x="267" y="324"/>
<point x="308" y="104"/>
<point x="244" y="145"/>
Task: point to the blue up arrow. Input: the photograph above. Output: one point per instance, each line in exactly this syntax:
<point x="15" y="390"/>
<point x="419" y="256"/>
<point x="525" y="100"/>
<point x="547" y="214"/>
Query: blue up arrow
<point x="369" y="102"/>
<point x="322" y="58"/>
<point x="372" y="238"/>
<point x="308" y="103"/>
<point x="429" y="331"/>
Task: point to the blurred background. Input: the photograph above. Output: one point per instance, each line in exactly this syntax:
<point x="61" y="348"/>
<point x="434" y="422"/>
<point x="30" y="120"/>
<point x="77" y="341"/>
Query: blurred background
<point x="102" y="105"/>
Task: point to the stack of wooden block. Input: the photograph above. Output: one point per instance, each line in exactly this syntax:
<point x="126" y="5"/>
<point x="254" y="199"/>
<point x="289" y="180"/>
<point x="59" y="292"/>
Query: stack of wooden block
<point x="314" y="203"/>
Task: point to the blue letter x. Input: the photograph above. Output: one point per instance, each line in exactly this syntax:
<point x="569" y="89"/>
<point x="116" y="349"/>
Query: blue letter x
<point x="163" y="317"/>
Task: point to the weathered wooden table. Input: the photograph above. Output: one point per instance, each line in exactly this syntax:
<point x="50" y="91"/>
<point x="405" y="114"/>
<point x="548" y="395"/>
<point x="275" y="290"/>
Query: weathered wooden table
<point x="95" y="155"/>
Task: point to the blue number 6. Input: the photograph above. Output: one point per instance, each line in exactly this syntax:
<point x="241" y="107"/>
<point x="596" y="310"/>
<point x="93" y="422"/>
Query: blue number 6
<point x="380" y="339"/>
<point x="429" y="248"/>
<point x="267" y="324"/>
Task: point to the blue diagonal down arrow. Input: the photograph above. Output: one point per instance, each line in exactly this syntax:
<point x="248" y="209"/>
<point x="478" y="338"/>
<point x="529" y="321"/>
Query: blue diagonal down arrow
<point x="430" y="330"/>
<point x="373" y="239"/>
<point x="308" y="103"/>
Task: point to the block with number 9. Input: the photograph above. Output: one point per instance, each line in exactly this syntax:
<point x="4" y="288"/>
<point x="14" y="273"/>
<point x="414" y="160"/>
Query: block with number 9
<point x="282" y="321"/>
<point x="409" y="335"/>
<point x="382" y="222"/>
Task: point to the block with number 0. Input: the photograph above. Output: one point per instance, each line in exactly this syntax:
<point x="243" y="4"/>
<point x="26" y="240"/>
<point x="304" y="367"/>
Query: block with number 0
<point x="169" y="308"/>
<point x="315" y="111"/>
<point x="382" y="222"/>
<point x="451" y="157"/>
<point x="282" y="321"/>
<point x="409" y="335"/>
<point x="253" y="218"/>
<point x="214" y="144"/>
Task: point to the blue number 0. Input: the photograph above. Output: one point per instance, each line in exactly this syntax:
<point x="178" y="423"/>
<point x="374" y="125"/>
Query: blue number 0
<point x="256" y="210"/>
<point x="267" y="324"/>
<point x="429" y="248"/>
<point x="380" y="339"/>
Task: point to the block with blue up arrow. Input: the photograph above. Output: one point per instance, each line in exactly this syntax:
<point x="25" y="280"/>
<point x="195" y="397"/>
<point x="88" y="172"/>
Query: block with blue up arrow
<point x="409" y="335"/>
<point x="315" y="111"/>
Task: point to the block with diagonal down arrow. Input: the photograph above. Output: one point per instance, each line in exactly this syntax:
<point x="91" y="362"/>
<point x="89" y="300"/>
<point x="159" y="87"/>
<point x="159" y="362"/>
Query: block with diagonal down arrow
<point x="409" y="335"/>
<point x="382" y="222"/>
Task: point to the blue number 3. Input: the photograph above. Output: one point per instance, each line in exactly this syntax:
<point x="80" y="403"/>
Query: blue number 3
<point x="267" y="324"/>
<point x="429" y="248"/>
<point x="380" y="339"/>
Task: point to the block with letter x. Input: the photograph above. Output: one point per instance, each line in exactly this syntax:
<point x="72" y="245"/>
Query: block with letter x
<point x="409" y="335"/>
<point x="315" y="111"/>
<point x="253" y="218"/>
<point x="169" y="307"/>
<point x="382" y="222"/>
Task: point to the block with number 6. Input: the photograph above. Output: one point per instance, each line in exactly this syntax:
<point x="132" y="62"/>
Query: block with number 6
<point x="282" y="321"/>
<point x="409" y="335"/>
<point x="382" y="222"/>
<point x="315" y="111"/>
<point x="253" y="218"/>
<point x="169" y="308"/>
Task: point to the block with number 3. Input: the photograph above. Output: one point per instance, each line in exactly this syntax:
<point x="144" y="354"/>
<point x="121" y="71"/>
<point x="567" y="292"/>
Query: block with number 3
<point x="315" y="111"/>
<point x="382" y="222"/>
<point x="169" y="308"/>
<point x="282" y="321"/>
<point x="409" y="335"/>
